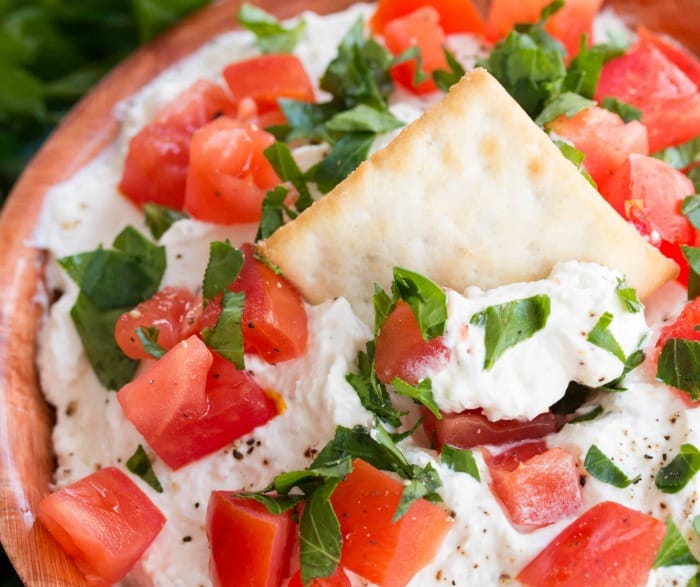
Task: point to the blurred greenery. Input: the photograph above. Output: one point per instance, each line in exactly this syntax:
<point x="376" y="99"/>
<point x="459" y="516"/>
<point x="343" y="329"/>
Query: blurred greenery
<point x="53" y="51"/>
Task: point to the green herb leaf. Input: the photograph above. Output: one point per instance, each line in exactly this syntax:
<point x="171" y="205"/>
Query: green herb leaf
<point x="584" y="69"/>
<point x="306" y="121"/>
<point x="280" y="157"/>
<point x="676" y="475"/>
<point x="422" y="483"/>
<point x="412" y="54"/>
<point x="576" y="157"/>
<point x="285" y="482"/>
<point x="422" y="393"/>
<point x="273" y="210"/>
<point x="692" y="255"/>
<point x="603" y="469"/>
<point x="148" y="337"/>
<point x="270" y="35"/>
<point x="691" y="209"/>
<point x="696" y="525"/>
<point x="320" y="541"/>
<point x="674" y="549"/>
<point x="140" y="465"/>
<point x="275" y="504"/>
<point x="426" y="299"/>
<point x="681" y="156"/>
<point x="508" y="324"/>
<point x="679" y="365"/>
<point x="567" y="104"/>
<point x="627" y="112"/>
<point x="588" y="416"/>
<point x="227" y="337"/>
<point x="345" y="156"/>
<point x="363" y="118"/>
<point x="224" y="265"/>
<point x="601" y="336"/>
<point x="633" y="361"/>
<point x="383" y="305"/>
<point x="446" y="79"/>
<point x="460" y="459"/>
<point x="694" y="581"/>
<point x="628" y="296"/>
<point x="160" y="218"/>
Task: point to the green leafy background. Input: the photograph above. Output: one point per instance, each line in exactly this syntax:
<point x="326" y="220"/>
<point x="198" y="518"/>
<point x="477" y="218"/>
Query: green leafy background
<point x="51" y="53"/>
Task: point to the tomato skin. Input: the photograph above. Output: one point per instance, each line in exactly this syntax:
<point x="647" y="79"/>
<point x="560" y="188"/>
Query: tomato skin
<point x="384" y="552"/>
<point x="104" y="522"/>
<point x="471" y="428"/>
<point x="250" y="547"/>
<point x="604" y="138"/>
<point x="229" y="174"/>
<point x="267" y="78"/>
<point x="165" y="311"/>
<point x="607" y="546"/>
<point x="337" y="579"/>
<point x="192" y="402"/>
<point x="401" y="351"/>
<point x="155" y="169"/>
<point x="647" y="80"/>
<point x="540" y="489"/>
<point x="688" y="63"/>
<point x="274" y="319"/>
<point x="420" y="28"/>
<point x="456" y="16"/>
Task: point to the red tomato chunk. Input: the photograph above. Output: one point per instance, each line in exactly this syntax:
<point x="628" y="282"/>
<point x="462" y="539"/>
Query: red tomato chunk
<point x="536" y="489"/>
<point x="456" y="16"/>
<point x="250" y="547"/>
<point x="608" y="546"/>
<point x="384" y="552"/>
<point x="192" y="402"/>
<point x="337" y="579"/>
<point x="104" y="522"/>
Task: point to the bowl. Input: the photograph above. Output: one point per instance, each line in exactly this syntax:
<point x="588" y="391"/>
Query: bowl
<point x="26" y="458"/>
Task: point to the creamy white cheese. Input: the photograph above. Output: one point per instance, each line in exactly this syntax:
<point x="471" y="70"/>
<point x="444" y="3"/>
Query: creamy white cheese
<point x="640" y="429"/>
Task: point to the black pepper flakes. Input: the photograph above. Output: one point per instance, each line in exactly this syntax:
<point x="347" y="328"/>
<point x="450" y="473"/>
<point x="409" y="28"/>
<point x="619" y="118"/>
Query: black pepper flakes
<point x="237" y="455"/>
<point x="187" y="538"/>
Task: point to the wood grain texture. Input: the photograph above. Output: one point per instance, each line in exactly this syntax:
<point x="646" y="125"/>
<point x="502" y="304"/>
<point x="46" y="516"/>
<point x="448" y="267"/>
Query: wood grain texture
<point x="26" y="460"/>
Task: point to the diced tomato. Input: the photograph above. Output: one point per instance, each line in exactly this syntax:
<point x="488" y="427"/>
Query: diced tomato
<point x="456" y="16"/>
<point x="382" y="551"/>
<point x="267" y="78"/>
<point x="657" y="190"/>
<point x="250" y="547"/>
<point x="104" y="522"/>
<point x="402" y="352"/>
<point x="471" y="428"/>
<point x="229" y="174"/>
<point x="337" y="579"/>
<point x="510" y="458"/>
<point x="420" y="28"/>
<point x="567" y="25"/>
<point x="607" y="546"/>
<point x="165" y="311"/>
<point x="274" y="320"/>
<point x="196" y="106"/>
<point x="192" y="402"/>
<point x="155" y="169"/>
<point x="604" y="138"/>
<point x="647" y="80"/>
<point x="536" y="490"/>
<point x="686" y="61"/>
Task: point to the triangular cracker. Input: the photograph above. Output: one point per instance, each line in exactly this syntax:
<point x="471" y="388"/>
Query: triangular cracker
<point x="472" y="193"/>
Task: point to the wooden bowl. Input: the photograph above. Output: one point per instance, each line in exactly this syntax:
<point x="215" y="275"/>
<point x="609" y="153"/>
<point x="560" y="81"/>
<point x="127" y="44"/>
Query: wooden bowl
<point x="26" y="458"/>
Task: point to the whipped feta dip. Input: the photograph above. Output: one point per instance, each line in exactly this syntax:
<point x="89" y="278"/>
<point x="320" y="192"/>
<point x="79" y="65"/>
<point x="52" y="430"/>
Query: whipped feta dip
<point x="534" y="373"/>
<point x="640" y="429"/>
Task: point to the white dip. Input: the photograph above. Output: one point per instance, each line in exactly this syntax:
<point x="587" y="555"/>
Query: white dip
<point x="641" y="428"/>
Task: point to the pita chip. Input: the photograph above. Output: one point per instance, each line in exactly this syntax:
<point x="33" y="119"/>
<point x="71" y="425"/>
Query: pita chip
<point x="472" y="193"/>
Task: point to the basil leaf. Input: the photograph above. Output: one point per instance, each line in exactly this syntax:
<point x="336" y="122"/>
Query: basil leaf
<point x="422" y="393"/>
<point x="444" y="80"/>
<point x="674" y="549"/>
<point x="628" y="296"/>
<point x="603" y="469"/>
<point x="632" y="362"/>
<point x="691" y="209"/>
<point x="679" y="366"/>
<point x="588" y="416"/>
<point x="423" y="482"/>
<point x="225" y="263"/>
<point x="160" y="218"/>
<point x="320" y="541"/>
<point x="345" y="156"/>
<point x="270" y="35"/>
<point x="148" y="337"/>
<point x="307" y="120"/>
<point x="227" y="337"/>
<point x="568" y="104"/>
<point x="280" y="157"/>
<point x="694" y="581"/>
<point x="372" y="392"/>
<point x="681" y="156"/>
<point x="692" y="255"/>
<point x="383" y="305"/>
<point x="275" y="504"/>
<point x="412" y="54"/>
<point x="676" y="475"/>
<point x="363" y="118"/>
<point x="149" y="256"/>
<point x="627" y="112"/>
<point x="285" y="482"/>
<point x="356" y="443"/>
<point x="383" y="439"/>
<point x="460" y="460"/>
<point x="508" y="324"/>
<point x="694" y="175"/>
<point x="273" y="209"/>
<point x="140" y="465"/>
<point x="576" y="157"/>
<point x="601" y="336"/>
<point x="426" y="299"/>
<point x="583" y="73"/>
